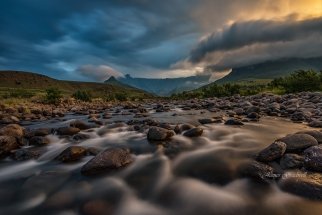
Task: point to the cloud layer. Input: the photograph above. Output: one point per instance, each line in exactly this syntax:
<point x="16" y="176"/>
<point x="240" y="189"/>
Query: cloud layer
<point x="146" y="38"/>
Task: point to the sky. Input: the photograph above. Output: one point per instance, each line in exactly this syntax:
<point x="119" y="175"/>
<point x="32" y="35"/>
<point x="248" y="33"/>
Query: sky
<point x="92" y="40"/>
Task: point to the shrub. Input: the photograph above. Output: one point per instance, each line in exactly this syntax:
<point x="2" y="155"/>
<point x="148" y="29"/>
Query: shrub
<point x="82" y="95"/>
<point x="53" y="95"/>
<point x="121" y="96"/>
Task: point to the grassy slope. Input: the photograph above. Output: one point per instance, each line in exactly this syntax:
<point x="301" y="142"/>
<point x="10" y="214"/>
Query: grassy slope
<point x="38" y="83"/>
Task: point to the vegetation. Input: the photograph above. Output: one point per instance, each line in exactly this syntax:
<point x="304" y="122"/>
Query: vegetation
<point x="298" y="81"/>
<point x="83" y="95"/>
<point x="53" y="95"/>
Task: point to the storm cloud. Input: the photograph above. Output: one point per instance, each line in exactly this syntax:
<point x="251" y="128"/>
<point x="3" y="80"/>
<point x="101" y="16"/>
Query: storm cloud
<point x="152" y="38"/>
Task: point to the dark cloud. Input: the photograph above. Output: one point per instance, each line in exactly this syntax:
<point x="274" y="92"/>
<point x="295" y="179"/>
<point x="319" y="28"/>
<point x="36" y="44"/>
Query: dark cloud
<point x="239" y="35"/>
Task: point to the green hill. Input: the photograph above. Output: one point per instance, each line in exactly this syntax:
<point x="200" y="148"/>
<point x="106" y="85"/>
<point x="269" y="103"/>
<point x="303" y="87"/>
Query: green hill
<point x="271" y="69"/>
<point x="10" y="80"/>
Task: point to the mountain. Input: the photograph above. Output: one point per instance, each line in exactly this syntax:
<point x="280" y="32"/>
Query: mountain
<point x="33" y="81"/>
<point x="271" y="69"/>
<point x="167" y="86"/>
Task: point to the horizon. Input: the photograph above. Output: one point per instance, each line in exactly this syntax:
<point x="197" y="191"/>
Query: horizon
<point x="92" y="41"/>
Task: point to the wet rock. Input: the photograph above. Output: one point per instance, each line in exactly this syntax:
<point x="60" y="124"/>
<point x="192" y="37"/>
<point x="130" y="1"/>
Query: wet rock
<point x="313" y="158"/>
<point x="39" y="141"/>
<point x="72" y="153"/>
<point x="26" y="154"/>
<point x="291" y="161"/>
<point x="253" y="115"/>
<point x="297" y="142"/>
<point x="308" y="185"/>
<point x="13" y="130"/>
<point x="108" y="161"/>
<point x="208" y="121"/>
<point x="272" y="152"/>
<point x="81" y="137"/>
<point x="68" y="131"/>
<point x="159" y="134"/>
<point x="256" y="170"/>
<point x="39" y="132"/>
<point x="316" y="134"/>
<point x="7" y="144"/>
<point x="316" y="124"/>
<point x="193" y="132"/>
<point x="183" y="127"/>
<point x="233" y="122"/>
<point x="80" y="124"/>
<point x="93" y="151"/>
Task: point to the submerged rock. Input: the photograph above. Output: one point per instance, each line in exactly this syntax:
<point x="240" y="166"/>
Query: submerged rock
<point x="80" y="124"/>
<point x="159" y="134"/>
<point x="193" y="132"/>
<point x="108" y="161"/>
<point x="68" y="131"/>
<point x="39" y="141"/>
<point x="233" y="122"/>
<point x="72" y="153"/>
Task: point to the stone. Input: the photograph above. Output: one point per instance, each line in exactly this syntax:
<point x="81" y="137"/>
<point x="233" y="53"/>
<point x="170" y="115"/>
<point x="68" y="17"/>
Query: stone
<point x="208" y="121"/>
<point x="79" y="124"/>
<point x="256" y="170"/>
<point x="7" y="144"/>
<point x="308" y="185"/>
<point x="233" y="122"/>
<point x="13" y="130"/>
<point x="39" y="141"/>
<point x="71" y="154"/>
<point x="193" y="132"/>
<point x="316" y="134"/>
<point x="298" y="142"/>
<point x="316" y="124"/>
<point x="26" y="154"/>
<point x="313" y="158"/>
<point x="68" y="131"/>
<point x="253" y="115"/>
<point x="183" y="127"/>
<point x="272" y="152"/>
<point x="291" y="161"/>
<point x="159" y="134"/>
<point x="108" y="161"/>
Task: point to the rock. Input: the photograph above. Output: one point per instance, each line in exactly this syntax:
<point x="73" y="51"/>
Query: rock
<point x="26" y="154"/>
<point x="13" y="130"/>
<point x="308" y="185"/>
<point x="39" y="141"/>
<point x="183" y="127"/>
<point x="313" y="158"/>
<point x="272" y="152"/>
<point x="233" y="122"/>
<point x="72" y="153"/>
<point x="159" y="134"/>
<point x="298" y="142"/>
<point x="108" y="161"/>
<point x="316" y="134"/>
<point x="253" y="115"/>
<point x="316" y="124"/>
<point x="193" y="132"/>
<point x="68" y="131"/>
<point x="291" y="161"/>
<point x="7" y="144"/>
<point x="79" y="124"/>
<point x="81" y="137"/>
<point x="39" y="132"/>
<point x="208" y="121"/>
<point x="256" y="170"/>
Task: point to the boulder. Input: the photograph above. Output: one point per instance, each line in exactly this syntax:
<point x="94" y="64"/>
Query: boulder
<point x="298" y="142"/>
<point x="233" y="122"/>
<point x="72" y="153"/>
<point x="13" y="130"/>
<point x="108" y="161"/>
<point x="7" y="144"/>
<point x="313" y="158"/>
<point x="159" y="134"/>
<point x="39" y="141"/>
<point x="79" y="124"/>
<point x="291" y="161"/>
<point x="272" y="152"/>
<point x="68" y="131"/>
<point x="193" y="132"/>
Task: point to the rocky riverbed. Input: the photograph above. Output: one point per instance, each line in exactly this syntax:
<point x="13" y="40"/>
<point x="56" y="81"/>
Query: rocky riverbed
<point x="239" y="155"/>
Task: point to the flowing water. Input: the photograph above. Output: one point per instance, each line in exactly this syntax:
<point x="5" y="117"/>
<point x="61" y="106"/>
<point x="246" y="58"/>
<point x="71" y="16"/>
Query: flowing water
<point x="186" y="176"/>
